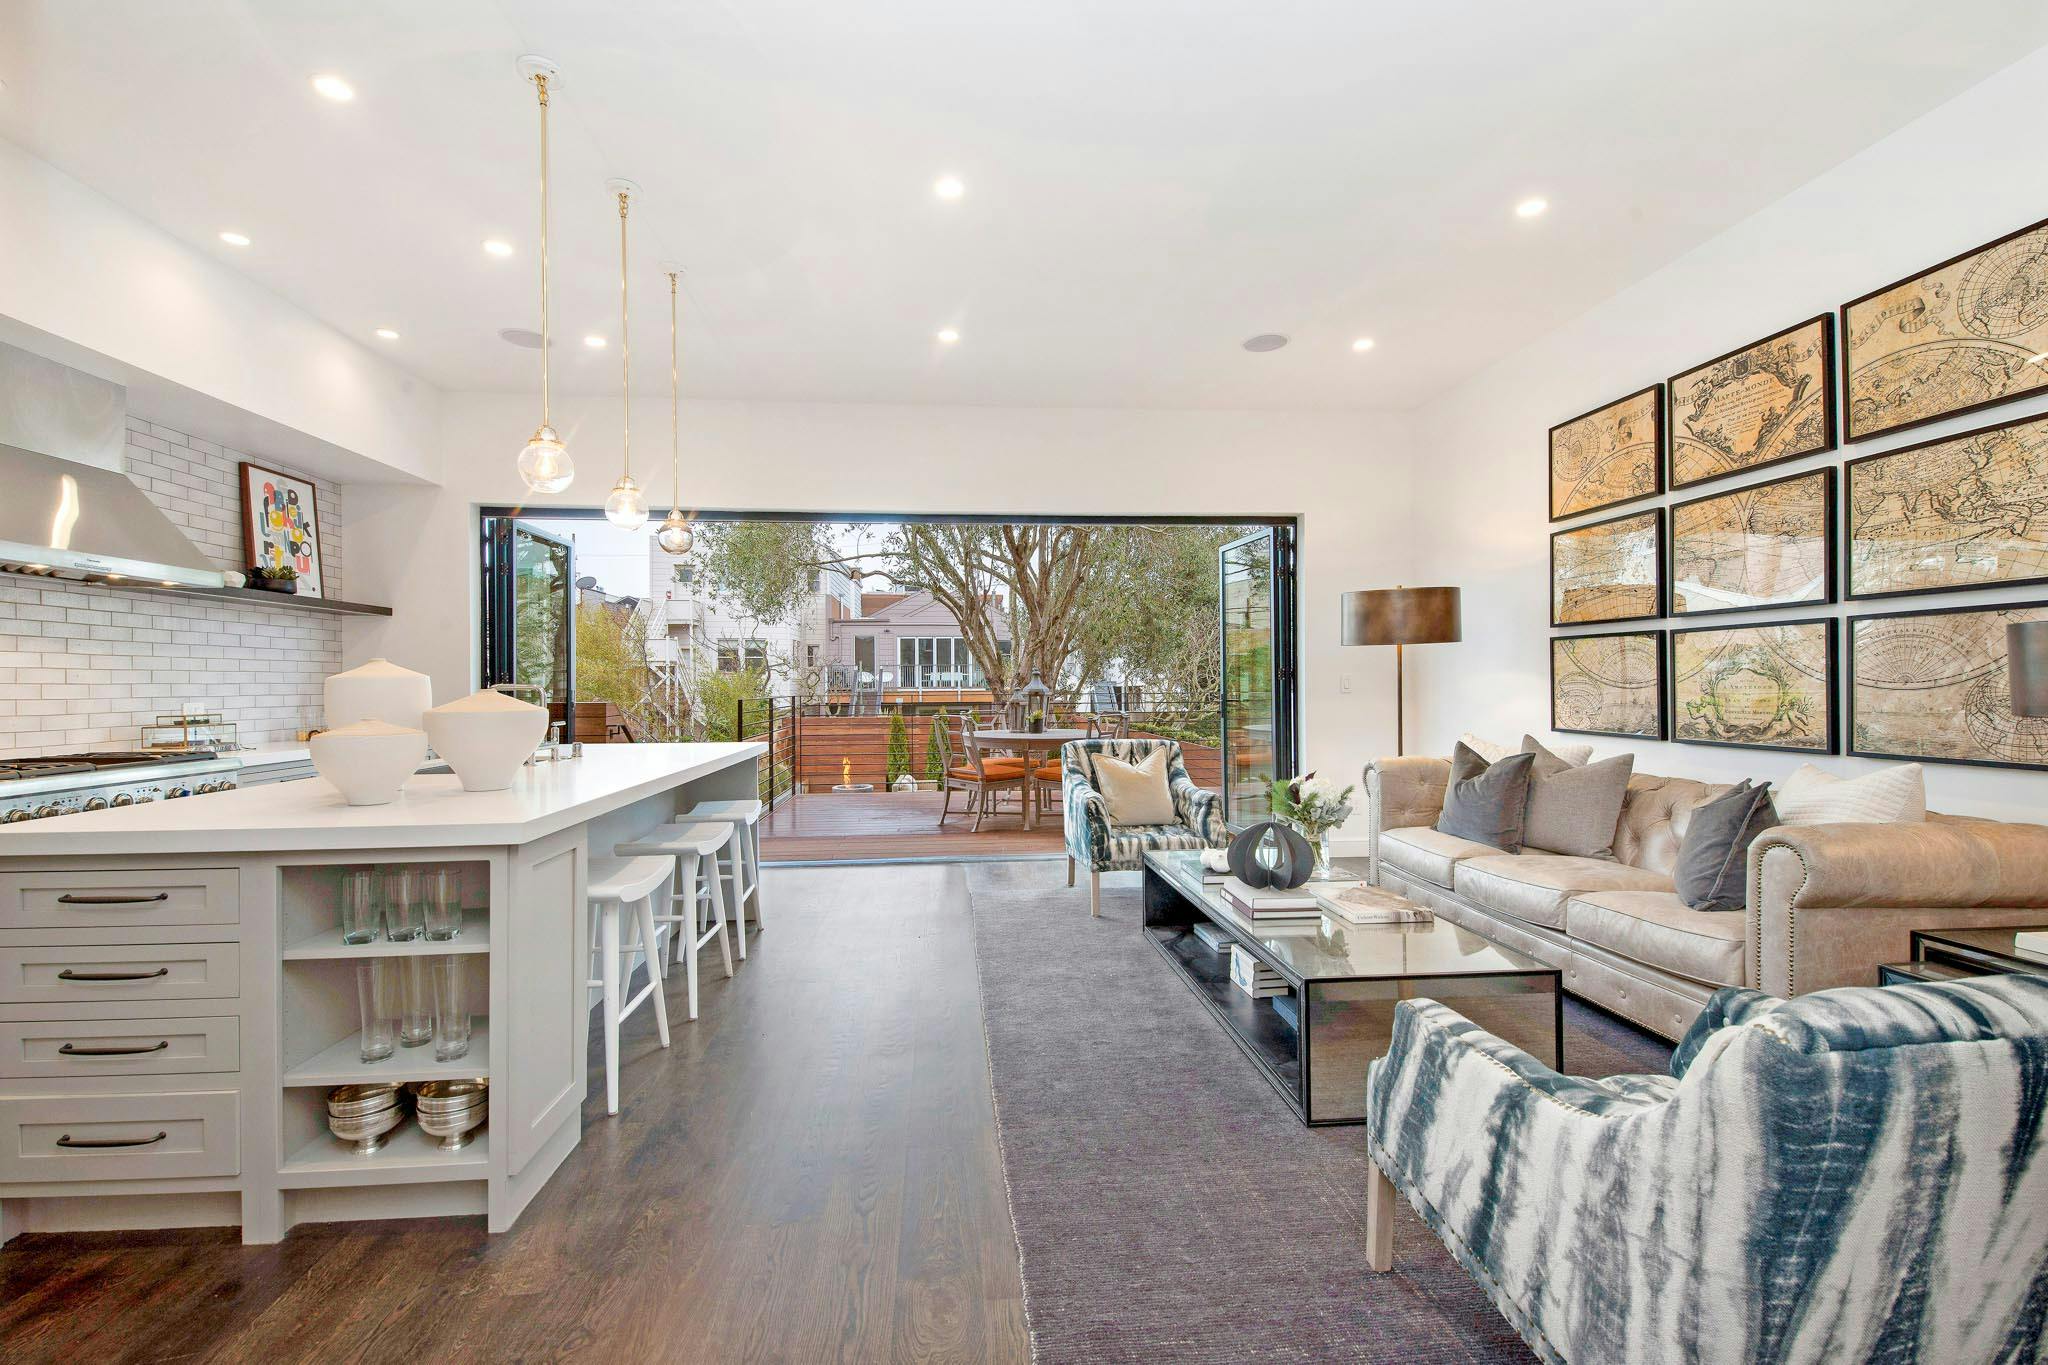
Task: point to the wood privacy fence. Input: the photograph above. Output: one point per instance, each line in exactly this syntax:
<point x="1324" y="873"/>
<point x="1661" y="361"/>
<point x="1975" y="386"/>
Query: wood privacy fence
<point x="813" y="751"/>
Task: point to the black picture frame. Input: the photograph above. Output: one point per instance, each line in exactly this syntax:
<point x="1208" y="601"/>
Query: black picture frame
<point x="1849" y="625"/>
<point x="1661" y="688"/>
<point x="1848" y="550"/>
<point x="1659" y="558"/>
<point x="1830" y="417"/>
<point x="1657" y="454"/>
<point x="1826" y="474"/>
<point x="1831" y="627"/>
<point x="1849" y="433"/>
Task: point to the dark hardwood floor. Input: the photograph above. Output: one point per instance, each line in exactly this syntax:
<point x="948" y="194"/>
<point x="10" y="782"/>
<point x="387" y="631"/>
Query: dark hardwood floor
<point x="809" y="1174"/>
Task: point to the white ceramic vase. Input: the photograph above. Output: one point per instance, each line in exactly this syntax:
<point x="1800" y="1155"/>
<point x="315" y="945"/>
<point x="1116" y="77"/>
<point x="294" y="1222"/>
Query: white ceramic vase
<point x="379" y="690"/>
<point x="368" y="762"/>
<point x="485" y="737"/>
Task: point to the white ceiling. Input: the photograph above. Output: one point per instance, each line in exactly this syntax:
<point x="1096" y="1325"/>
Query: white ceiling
<point x="1149" y="181"/>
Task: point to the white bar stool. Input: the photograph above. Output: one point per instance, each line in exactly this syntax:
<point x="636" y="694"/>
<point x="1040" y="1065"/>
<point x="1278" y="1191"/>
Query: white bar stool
<point x="745" y="874"/>
<point x="694" y="849"/>
<point x="613" y="885"/>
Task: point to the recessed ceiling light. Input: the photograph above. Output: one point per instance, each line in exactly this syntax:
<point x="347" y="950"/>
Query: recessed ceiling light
<point x="594" y="342"/>
<point x="335" y="88"/>
<point x="497" y="246"/>
<point x="387" y="334"/>
<point x="1531" y="208"/>
<point x="949" y="187"/>
<point x="947" y="336"/>
<point x="1265" y="341"/>
<point x="1362" y="344"/>
<point x="234" y="239"/>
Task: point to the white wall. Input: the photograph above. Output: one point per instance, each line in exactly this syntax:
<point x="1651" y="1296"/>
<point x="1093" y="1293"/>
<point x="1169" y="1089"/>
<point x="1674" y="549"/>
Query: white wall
<point x="1345" y="474"/>
<point x="1970" y="171"/>
<point x="200" y="346"/>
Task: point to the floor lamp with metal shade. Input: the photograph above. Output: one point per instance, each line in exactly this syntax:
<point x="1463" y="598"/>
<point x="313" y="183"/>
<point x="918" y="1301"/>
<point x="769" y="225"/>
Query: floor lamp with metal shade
<point x="2026" y="666"/>
<point x="1401" y="617"/>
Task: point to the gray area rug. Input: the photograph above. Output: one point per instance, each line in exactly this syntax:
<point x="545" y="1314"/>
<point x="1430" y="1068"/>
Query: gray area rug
<point x="1168" y="1206"/>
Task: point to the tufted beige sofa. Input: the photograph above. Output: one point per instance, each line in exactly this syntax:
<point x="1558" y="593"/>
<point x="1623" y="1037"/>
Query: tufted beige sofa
<point x="1826" y="903"/>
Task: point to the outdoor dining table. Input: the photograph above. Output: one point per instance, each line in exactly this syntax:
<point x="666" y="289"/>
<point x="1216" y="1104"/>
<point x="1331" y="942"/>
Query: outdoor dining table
<point x="1033" y="743"/>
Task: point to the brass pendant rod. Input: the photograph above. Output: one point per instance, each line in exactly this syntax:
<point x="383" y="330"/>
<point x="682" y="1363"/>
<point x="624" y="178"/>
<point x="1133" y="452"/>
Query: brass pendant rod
<point x="540" y="82"/>
<point x="675" y="475"/>
<point x="625" y="345"/>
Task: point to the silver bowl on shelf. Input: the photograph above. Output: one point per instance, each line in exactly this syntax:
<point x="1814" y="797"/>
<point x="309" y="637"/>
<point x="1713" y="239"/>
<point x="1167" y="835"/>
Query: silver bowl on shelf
<point x="451" y="1110"/>
<point x="363" y="1114"/>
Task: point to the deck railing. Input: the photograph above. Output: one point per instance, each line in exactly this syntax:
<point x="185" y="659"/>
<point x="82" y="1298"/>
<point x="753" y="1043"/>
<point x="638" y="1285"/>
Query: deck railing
<point x="773" y="722"/>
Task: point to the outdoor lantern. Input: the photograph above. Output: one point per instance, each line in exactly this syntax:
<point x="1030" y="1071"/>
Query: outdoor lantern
<point x="1033" y="697"/>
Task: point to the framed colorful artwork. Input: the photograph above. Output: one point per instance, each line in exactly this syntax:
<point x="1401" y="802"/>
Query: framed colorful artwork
<point x="281" y="525"/>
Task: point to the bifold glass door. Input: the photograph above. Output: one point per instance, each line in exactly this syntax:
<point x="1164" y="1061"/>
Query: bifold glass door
<point x="1258" y="722"/>
<point x="529" y="608"/>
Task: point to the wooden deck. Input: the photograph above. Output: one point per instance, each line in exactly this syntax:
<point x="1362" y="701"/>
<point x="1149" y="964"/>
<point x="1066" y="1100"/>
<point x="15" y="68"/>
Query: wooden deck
<point x="872" y="825"/>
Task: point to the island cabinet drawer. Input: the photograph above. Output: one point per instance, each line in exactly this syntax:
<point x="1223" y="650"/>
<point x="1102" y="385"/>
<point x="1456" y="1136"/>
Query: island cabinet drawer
<point x="120" y="1137"/>
<point x="118" y="899"/>
<point x="144" y="971"/>
<point x="72" y="1048"/>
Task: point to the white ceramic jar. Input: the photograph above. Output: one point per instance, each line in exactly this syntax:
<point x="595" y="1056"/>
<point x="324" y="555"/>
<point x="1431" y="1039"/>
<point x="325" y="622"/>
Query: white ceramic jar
<point x="379" y="690"/>
<point x="485" y="737"/>
<point x="368" y="762"/>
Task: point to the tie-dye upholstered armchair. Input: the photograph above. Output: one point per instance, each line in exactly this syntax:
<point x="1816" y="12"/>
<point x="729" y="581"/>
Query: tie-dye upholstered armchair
<point x="1106" y="847"/>
<point x="1857" y="1174"/>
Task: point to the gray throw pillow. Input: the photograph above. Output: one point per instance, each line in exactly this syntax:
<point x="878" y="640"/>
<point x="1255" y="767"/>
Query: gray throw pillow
<point x="1574" y="809"/>
<point x="1713" y="857"/>
<point x="1486" y="802"/>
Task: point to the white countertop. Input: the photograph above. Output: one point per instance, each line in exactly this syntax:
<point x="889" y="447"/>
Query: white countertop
<point x="431" y="811"/>
<point x="273" y="755"/>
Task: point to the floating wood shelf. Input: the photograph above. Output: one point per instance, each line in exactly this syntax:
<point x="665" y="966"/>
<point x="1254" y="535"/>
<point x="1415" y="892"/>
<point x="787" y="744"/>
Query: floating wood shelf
<point x="257" y="597"/>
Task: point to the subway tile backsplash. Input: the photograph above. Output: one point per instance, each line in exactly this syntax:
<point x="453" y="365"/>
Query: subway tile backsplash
<point x="85" y="667"/>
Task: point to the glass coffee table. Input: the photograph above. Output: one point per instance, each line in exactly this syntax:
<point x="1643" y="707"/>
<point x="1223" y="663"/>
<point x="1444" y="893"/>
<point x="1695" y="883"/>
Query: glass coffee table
<point x="1343" y="982"/>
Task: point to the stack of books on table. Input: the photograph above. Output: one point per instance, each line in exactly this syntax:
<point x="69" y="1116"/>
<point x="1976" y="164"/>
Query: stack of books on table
<point x="1216" y="938"/>
<point x="1262" y="906"/>
<point x="1254" y="977"/>
<point x="1362" y="904"/>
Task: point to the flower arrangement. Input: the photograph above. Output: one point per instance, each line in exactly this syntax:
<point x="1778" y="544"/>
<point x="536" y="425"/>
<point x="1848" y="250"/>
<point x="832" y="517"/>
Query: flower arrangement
<point x="1315" y="806"/>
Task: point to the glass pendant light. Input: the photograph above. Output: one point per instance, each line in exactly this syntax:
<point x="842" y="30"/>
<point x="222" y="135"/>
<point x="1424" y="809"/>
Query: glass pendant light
<point x="674" y="535"/>
<point x="544" y="465"/>
<point x="626" y="508"/>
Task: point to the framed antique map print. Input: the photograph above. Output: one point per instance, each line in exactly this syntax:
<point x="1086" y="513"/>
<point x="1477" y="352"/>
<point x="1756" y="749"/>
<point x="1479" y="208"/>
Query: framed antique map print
<point x="1611" y="455"/>
<point x="1931" y="685"/>
<point x="1768" y="545"/>
<point x="1959" y="336"/>
<point x="1755" y="687"/>
<point x="1965" y="511"/>
<point x="1612" y="570"/>
<point x="1608" y="684"/>
<point x="1769" y="401"/>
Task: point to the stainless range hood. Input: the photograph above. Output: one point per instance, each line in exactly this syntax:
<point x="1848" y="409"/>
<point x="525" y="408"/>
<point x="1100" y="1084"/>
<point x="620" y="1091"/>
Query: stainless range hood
<point x="66" y="509"/>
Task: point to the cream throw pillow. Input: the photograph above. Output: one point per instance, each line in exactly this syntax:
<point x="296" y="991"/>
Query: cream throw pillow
<point x="1136" y="794"/>
<point x="1889" y="796"/>
<point x="1578" y="755"/>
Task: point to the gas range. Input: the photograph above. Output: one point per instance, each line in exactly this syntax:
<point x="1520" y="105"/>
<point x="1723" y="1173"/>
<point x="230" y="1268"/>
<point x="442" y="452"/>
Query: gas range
<point x="62" y="784"/>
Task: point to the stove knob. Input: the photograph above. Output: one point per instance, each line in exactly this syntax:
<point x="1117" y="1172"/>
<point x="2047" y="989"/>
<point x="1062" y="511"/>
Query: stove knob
<point x="208" y="788"/>
<point x="173" y="792"/>
<point x="143" y="797"/>
<point x="17" y="815"/>
<point x="124" y="799"/>
<point x="96" y="803"/>
<point x="45" y="812"/>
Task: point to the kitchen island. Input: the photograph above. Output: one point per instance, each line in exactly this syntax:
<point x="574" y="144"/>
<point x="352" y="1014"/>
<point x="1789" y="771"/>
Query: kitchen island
<point x="176" y="1000"/>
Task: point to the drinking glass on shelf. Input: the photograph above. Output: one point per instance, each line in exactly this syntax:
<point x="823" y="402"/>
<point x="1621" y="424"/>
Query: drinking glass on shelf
<point x="404" y="914"/>
<point x="451" y="1009"/>
<point x="377" y="993"/>
<point x="441" y="899"/>
<point x="416" y="1021"/>
<point x="359" y="908"/>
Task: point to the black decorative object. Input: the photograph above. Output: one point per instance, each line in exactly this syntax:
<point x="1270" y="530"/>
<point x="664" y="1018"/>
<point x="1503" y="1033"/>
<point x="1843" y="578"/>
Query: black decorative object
<point x="1270" y="854"/>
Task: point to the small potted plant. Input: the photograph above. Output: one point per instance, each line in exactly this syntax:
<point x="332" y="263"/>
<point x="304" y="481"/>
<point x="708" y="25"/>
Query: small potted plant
<point x="280" y="578"/>
<point x="1315" y="806"/>
<point x="1035" y="722"/>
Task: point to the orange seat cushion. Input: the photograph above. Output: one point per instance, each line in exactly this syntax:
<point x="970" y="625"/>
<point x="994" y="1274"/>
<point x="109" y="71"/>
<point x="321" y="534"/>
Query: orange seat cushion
<point x="1001" y="769"/>
<point x="1050" y="772"/>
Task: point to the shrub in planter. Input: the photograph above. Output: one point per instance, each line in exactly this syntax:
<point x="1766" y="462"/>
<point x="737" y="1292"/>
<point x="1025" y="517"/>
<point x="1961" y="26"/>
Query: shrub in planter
<point x="938" y="750"/>
<point x="899" y="748"/>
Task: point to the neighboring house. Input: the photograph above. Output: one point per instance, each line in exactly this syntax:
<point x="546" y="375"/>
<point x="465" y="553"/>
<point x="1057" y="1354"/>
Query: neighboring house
<point x="903" y="646"/>
<point x="695" y="631"/>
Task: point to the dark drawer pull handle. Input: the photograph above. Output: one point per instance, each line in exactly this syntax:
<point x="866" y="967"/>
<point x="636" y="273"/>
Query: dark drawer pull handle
<point x="74" y="1050"/>
<point x="69" y="1141"/>
<point x="68" y="899"/>
<point x="68" y="975"/>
